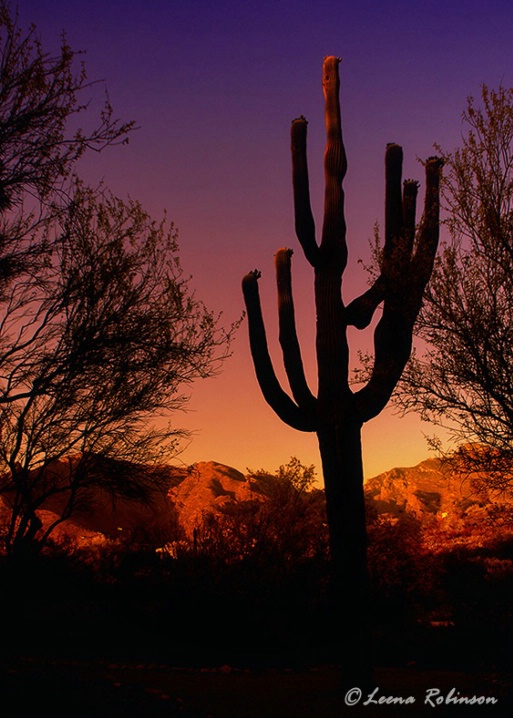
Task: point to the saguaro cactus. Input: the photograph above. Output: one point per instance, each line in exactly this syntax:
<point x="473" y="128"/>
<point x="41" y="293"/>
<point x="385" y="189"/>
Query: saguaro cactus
<point x="337" y="413"/>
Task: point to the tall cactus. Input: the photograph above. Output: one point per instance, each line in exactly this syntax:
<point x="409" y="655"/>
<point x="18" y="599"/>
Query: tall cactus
<point x="337" y="413"/>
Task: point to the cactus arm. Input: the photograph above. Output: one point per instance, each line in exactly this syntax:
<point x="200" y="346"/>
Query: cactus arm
<point x="403" y="295"/>
<point x="393" y="203"/>
<point x="288" y="334"/>
<point x="274" y="395"/>
<point x="399" y="236"/>
<point x="303" y="217"/>
<point x="360" y="311"/>
<point x="429" y="231"/>
<point x="392" y="348"/>
<point x="333" y="243"/>
<point x="410" y="190"/>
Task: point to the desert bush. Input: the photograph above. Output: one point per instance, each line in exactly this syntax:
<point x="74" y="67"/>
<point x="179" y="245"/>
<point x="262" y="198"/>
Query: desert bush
<point x="285" y="523"/>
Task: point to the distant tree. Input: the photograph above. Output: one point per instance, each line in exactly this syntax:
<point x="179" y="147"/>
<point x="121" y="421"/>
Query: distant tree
<point x="41" y="96"/>
<point x="100" y="341"/>
<point x="336" y="414"/>
<point x="395" y="552"/>
<point x="285" y="523"/>
<point x="294" y="477"/>
<point x="464" y="378"/>
<point x="292" y="516"/>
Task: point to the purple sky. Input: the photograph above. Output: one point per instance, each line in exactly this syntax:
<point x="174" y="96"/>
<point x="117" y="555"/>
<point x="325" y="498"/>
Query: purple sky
<point x="213" y="87"/>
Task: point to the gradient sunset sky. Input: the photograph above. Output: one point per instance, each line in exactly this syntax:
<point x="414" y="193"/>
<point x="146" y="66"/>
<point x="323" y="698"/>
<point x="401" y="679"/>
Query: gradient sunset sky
<point x="213" y="86"/>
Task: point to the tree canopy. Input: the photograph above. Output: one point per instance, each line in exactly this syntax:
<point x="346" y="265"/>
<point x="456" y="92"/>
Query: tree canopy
<point x="43" y="98"/>
<point x="100" y="332"/>
<point x="463" y="380"/>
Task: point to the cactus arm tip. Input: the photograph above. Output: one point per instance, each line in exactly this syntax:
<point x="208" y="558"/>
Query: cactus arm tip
<point x="251" y="277"/>
<point x="284" y="252"/>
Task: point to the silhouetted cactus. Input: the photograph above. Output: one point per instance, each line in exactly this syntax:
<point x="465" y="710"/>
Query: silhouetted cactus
<point x="337" y="413"/>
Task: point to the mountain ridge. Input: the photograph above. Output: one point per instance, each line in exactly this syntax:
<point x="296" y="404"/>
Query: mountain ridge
<point x="431" y="490"/>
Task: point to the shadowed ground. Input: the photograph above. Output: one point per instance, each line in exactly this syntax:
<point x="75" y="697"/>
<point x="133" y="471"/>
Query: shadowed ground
<point x="97" y="690"/>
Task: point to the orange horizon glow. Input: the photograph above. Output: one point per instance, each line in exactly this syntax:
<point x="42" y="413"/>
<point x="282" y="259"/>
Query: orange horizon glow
<point x="213" y="89"/>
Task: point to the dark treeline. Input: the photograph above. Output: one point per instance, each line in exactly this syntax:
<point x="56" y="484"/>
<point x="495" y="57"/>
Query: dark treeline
<point x="251" y="588"/>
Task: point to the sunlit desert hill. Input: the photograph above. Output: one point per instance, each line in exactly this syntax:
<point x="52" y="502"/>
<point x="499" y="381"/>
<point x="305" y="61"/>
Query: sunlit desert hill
<point x="453" y="506"/>
<point x="437" y="488"/>
<point x="434" y="492"/>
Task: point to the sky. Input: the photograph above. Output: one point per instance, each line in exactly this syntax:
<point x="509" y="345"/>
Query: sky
<point x="213" y="86"/>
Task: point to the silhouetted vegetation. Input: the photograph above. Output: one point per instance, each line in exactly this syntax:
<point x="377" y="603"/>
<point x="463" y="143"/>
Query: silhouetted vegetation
<point x="234" y="597"/>
<point x="99" y="329"/>
<point x="463" y="381"/>
<point x="239" y="593"/>
<point x="285" y="522"/>
<point x="338" y="412"/>
<point x="43" y="97"/>
<point x="98" y="332"/>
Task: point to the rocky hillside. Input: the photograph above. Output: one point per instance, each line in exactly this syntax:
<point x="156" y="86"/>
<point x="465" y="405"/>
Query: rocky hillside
<point x="431" y="491"/>
<point x="207" y="488"/>
<point x="434" y="488"/>
<point x="98" y="513"/>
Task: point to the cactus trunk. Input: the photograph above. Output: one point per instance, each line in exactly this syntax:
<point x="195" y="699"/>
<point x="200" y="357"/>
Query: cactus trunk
<point x="341" y="456"/>
<point x="337" y="413"/>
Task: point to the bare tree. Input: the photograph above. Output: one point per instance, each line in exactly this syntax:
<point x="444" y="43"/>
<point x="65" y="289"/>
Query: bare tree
<point x="99" y="331"/>
<point x="337" y="413"/>
<point x="42" y="96"/>
<point x="92" y="348"/>
<point x="464" y="378"/>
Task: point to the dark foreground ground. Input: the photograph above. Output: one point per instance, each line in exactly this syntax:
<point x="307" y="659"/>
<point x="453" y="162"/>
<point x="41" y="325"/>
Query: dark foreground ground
<point x="197" y="639"/>
<point x="36" y="687"/>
